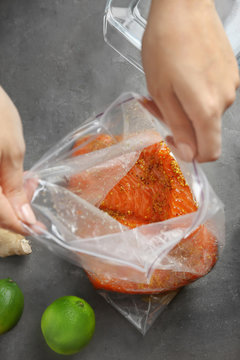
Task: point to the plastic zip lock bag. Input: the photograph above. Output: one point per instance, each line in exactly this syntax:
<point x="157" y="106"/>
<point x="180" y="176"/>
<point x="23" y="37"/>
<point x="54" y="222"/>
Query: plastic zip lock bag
<point x="113" y="198"/>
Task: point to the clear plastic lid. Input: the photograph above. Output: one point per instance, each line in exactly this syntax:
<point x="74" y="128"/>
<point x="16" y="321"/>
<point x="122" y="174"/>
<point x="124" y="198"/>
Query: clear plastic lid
<point x="125" y="22"/>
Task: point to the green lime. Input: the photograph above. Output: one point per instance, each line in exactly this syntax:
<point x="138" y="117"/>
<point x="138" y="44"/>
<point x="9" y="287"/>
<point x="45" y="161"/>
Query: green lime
<point x="11" y="304"/>
<point x="68" y="324"/>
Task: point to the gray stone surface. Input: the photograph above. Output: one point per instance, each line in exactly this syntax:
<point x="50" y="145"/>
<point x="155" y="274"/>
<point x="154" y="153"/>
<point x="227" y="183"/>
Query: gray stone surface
<point x="56" y="67"/>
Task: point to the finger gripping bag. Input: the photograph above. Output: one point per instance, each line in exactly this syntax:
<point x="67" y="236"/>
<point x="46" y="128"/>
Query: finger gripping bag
<point x="114" y="199"/>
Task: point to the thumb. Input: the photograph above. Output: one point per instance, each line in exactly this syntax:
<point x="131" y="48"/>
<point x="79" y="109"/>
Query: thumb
<point x="13" y="190"/>
<point x="181" y="127"/>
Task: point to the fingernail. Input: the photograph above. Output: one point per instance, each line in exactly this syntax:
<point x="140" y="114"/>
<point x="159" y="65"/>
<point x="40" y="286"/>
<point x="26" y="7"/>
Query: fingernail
<point x="24" y="227"/>
<point x="27" y="215"/>
<point x="185" y="152"/>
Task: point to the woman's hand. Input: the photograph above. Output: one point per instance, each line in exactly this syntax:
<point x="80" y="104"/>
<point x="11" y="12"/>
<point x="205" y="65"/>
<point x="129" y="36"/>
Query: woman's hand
<point x="14" y="204"/>
<point x="191" y="72"/>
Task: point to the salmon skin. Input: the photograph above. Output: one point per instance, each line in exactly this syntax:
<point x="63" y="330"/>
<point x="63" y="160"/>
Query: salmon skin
<point x="153" y="190"/>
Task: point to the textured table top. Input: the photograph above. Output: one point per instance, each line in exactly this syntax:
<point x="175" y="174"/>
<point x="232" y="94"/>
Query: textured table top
<point x="58" y="70"/>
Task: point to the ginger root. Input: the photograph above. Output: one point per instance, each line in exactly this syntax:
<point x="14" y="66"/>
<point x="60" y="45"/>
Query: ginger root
<point x="13" y="244"/>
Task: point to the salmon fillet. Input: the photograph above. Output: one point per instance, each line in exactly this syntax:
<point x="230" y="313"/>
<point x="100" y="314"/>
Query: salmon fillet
<point x="153" y="190"/>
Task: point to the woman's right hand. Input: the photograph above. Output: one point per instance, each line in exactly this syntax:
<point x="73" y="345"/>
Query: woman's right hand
<point x="14" y="204"/>
<point x="191" y="72"/>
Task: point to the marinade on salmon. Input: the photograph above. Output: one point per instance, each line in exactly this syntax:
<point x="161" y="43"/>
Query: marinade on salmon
<point x="153" y="190"/>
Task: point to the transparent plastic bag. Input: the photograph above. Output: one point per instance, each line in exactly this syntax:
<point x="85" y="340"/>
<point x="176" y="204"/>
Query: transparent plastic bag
<point x="150" y="262"/>
<point x="139" y="310"/>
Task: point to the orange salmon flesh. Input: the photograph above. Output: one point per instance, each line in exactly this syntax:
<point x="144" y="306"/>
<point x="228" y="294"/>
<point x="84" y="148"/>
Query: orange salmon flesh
<point x="153" y="190"/>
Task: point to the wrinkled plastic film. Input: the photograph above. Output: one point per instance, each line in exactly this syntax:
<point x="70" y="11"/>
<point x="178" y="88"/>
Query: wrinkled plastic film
<point x="140" y="310"/>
